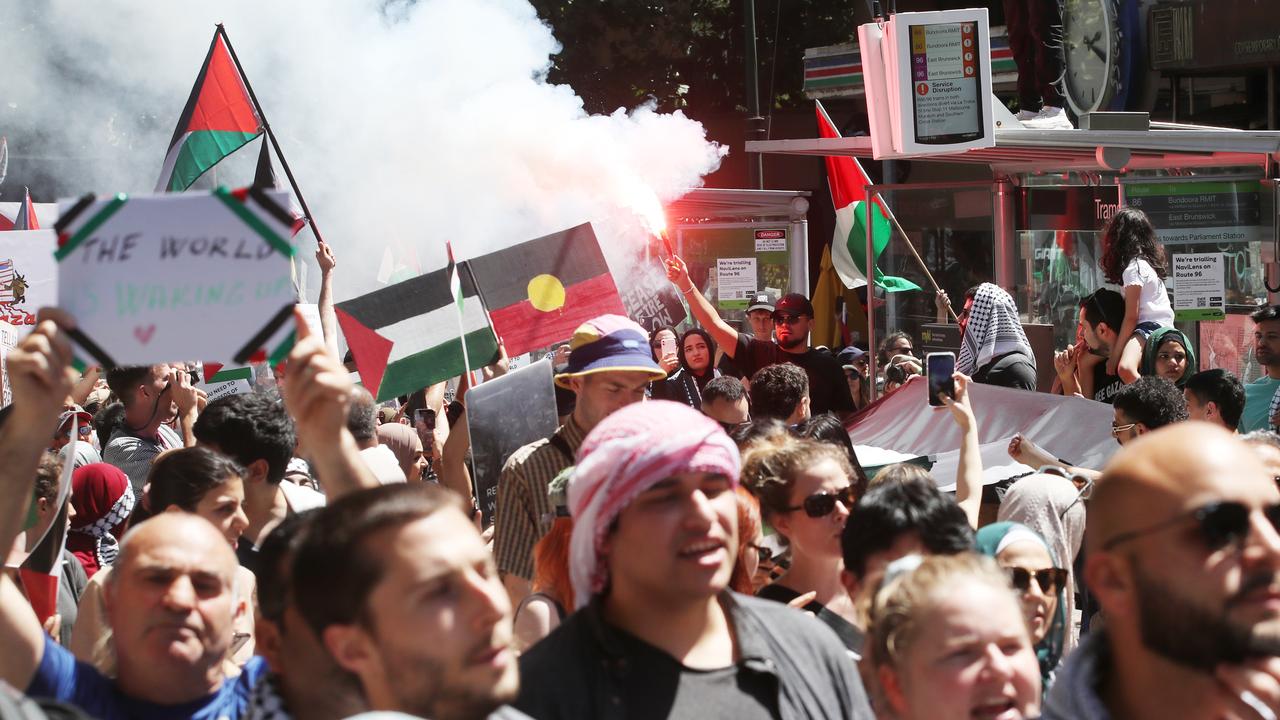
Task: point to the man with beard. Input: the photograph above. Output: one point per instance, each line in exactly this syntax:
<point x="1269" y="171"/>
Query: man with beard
<point x="1100" y="316"/>
<point x="401" y="591"/>
<point x="792" y="318"/>
<point x="1266" y="350"/>
<point x="1184" y="557"/>
<point x="658" y="634"/>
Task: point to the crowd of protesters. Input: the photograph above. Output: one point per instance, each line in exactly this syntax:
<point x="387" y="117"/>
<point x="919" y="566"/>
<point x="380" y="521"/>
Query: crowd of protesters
<point x="697" y="539"/>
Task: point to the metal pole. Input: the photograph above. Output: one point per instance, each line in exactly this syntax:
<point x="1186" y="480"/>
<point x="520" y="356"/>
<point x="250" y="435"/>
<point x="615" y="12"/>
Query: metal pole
<point x="755" y="123"/>
<point x="871" y="302"/>
<point x="271" y="136"/>
<point x="1271" y="97"/>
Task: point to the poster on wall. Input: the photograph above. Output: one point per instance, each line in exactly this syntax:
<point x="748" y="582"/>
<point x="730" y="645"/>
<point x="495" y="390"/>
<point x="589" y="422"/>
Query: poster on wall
<point x="736" y="282"/>
<point x="1199" y="286"/>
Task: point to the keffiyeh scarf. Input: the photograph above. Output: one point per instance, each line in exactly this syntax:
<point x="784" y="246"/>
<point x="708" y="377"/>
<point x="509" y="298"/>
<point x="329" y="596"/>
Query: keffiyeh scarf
<point x="626" y="454"/>
<point x="994" y="330"/>
<point x="104" y="500"/>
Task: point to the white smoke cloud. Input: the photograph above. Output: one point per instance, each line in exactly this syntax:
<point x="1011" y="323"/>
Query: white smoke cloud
<point x="406" y="123"/>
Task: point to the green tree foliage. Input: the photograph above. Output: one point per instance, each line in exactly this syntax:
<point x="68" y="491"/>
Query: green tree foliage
<point x="688" y="54"/>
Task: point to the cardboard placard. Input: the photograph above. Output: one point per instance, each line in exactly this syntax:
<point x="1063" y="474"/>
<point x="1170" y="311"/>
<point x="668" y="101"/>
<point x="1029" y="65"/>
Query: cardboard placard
<point x="505" y="414"/>
<point x="28" y="275"/>
<point x="171" y="277"/>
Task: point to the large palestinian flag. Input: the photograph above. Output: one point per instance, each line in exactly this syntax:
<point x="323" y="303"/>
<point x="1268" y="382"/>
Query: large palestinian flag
<point x="219" y="118"/>
<point x="404" y="337"/>
<point x="848" y="183"/>
<point x="540" y="291"/>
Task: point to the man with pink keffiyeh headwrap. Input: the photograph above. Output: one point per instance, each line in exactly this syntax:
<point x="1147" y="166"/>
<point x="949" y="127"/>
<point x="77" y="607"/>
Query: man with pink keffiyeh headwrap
<point x="658" y="634"/>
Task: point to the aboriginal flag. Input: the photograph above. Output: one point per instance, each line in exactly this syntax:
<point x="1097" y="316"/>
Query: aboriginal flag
<point x="540" y="291"/>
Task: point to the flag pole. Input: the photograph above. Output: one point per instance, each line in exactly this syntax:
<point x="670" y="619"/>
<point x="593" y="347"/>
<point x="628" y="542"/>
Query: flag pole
<point x="457" y="303"/>
<point x="919" y="260"/>
<point x="271" y="136"/>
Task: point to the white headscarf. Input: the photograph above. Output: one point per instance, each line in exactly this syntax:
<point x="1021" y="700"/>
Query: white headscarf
<point x="1048" y="504"/>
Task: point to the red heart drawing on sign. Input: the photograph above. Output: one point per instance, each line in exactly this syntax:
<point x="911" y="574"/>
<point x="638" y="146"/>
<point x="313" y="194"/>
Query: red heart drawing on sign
<point x="143" y="334"/>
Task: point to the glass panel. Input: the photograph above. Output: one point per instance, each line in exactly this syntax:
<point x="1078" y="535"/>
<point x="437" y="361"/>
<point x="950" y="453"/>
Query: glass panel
<point x="952" y="232"/>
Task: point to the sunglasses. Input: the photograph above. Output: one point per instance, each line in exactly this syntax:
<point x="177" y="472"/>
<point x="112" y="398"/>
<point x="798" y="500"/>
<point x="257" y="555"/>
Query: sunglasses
<point x="1050" y="580"/>
<point x="731" y="428"/>
<point x="1219" y="524"/>
<point x="786" y="319"/>
<point x="823" y="504"/>
<point x="1117" y="429"/>
<point x="763" y="553"/>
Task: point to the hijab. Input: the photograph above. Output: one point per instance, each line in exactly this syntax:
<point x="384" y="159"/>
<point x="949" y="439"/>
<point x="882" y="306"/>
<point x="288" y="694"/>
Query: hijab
<point x="103" y="499"/>
<point x="994" y="329"/>
<point x="993" y="539"/>
<point x="404" y="443"/>
<point x="1051" y="505"/>
<point x="1152" y="348"/>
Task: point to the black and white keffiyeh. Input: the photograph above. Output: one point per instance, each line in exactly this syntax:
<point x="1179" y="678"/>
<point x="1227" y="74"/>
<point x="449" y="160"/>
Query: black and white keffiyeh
<point x="994" y="330"/>
<point x="107" y="546"/>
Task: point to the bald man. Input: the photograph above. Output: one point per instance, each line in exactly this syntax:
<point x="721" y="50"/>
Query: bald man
<point x="1184" y="557"/>
<point x="171" y="602"/>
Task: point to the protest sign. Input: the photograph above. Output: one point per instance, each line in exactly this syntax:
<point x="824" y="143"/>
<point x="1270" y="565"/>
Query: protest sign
<point x="28" y="275"/>
<point x="173" y="277"/>
<point x="505" y="414"/>
<point x="8" y="341"/>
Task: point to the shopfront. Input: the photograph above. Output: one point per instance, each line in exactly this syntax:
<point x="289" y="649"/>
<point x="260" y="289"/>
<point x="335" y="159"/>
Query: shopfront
<point x="1035" y="229"/>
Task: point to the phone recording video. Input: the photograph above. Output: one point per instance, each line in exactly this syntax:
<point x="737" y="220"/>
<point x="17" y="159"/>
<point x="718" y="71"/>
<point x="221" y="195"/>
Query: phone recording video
<point x="940" y="367"/>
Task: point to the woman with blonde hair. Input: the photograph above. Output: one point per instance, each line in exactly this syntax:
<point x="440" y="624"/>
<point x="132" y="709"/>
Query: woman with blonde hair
<point x="947" y="639"/>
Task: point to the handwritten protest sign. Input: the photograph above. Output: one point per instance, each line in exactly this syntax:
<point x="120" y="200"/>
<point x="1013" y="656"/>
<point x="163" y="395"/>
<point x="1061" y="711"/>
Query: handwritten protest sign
<point x="172" y="277"/>
<point x="28" y="276"/>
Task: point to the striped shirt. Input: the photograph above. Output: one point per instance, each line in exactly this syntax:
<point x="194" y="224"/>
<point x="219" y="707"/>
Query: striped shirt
<point x="133" y="455"/>
<point x="524" y="512"/>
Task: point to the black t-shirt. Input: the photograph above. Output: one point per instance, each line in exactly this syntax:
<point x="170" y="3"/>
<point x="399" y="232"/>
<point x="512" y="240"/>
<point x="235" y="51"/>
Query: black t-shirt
<point x="828" y="389"/>
<point x="852" y="637"/>
<point x="656" y="685"/>
<point x="1105" y="386"/>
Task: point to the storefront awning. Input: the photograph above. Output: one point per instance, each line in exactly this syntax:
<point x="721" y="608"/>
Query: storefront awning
<point x="1020" y="150"/>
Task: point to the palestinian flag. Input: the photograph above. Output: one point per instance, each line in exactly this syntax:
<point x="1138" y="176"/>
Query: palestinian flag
<point x="42" y="570"/>
<point x="540" y="291"/>
<point x="26" y="219"/>
<point x="404" y="337"/>
<point x="848" y="183"/>
<point x="219" y="118"/>
<point x="264" y="176"/>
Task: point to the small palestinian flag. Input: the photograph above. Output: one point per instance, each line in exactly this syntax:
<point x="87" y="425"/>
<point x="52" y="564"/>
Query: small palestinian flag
<point x="26" y="219"/>
<point x="540" y="291"/>
<point x="42" y="570"/>
<point x="219" y="118"/>
<point x="404" y="337"/>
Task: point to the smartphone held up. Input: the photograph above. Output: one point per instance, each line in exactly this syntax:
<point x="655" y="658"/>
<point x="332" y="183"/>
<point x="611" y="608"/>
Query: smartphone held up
<point x="940" y="367"/>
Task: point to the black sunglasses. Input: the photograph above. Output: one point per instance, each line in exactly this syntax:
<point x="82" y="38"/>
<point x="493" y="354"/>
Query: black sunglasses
<point x="1220" y="524"/>
<point x="786" y="318"/>
<point x="1050" y="580"/>
<point x="762" y="552"/>
<point x="823" y="504"/>
<point x="731" y="428"/>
